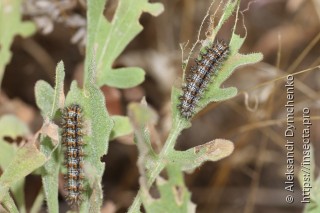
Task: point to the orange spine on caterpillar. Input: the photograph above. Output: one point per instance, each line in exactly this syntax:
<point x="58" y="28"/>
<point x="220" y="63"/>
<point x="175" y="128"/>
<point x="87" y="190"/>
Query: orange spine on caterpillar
<point x="73" y="142"/>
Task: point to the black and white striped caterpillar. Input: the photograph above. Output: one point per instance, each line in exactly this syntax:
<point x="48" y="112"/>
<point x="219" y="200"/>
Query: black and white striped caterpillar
<point x="73" y="141"/>
<point x="200" y="76"/>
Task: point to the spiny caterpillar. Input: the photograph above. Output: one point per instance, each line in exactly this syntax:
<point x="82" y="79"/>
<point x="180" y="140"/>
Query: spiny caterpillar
<point x="73" y="142"/>
<point x="201" y="75"/>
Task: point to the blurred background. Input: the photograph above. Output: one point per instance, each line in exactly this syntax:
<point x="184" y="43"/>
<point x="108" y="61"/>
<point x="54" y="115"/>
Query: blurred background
<point x="287" y="32"/>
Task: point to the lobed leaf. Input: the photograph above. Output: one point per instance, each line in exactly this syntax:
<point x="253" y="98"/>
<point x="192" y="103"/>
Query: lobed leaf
<point x="108" y="39"/>
<point x="211" y="151"/>
<point x="174" y="195"/>
<point x="192" y="158"/>
<point x="214" y="92"/>
<point x="11" y="24"/>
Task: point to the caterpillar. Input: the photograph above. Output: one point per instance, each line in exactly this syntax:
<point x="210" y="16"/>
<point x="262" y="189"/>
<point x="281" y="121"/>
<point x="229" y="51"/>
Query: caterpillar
<point x="200" y="76"/>
<point x="73" y="142"/>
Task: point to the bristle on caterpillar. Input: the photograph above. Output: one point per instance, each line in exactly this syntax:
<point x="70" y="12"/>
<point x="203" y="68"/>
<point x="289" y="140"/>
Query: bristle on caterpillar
<point x="200" y="76"/>
<point x="73" y="143"/>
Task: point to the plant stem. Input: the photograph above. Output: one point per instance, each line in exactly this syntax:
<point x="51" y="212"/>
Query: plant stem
<point x="177" y="127"/>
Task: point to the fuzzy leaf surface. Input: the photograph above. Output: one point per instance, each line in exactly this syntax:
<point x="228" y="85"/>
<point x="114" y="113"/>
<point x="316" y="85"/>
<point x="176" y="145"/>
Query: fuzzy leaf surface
<point x="49" y="101"/>
<point x="107" y="39"/>
<point x="121" y="127"/>
<point x="194" y="157"/>
<point x="26" y="160"/>
<point x="11" y="126"/>
<point x="141" y="116"/>
<point x="174" y="195"/>
<point x="8" y="204"/>
<point x="97" y="127"/>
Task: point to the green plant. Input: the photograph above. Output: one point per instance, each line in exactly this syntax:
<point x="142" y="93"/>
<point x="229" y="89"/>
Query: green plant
<point x="105" y="41"/>
<point x="103" y="47"/>
<point x="11" y="25"/>
<point x="16" y="162"/>
<point x="151" y="164"/>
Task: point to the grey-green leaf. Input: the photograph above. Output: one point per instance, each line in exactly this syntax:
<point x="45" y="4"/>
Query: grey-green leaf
<point x="192" y="158"/>
<point x="174" y="195"/>
<point x="121" y="126"/>
<point x="141" y="116"/>
<point x="50" y="173"/>
<point x="13" y="127"/>
<point x="10" y="126"/>
<point x="97" y="127"/>
<point x="26" y="160"/>
<point x="8" y="204"/>
<point x="214" y="92"/>
<point x="58" y="98"/>
<point x="11" y="24"/>
<point x="44" y="97"/>
<point x="49" y="101"/>
<point x="107" y="39"/>
<point x="123" y="77"/>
